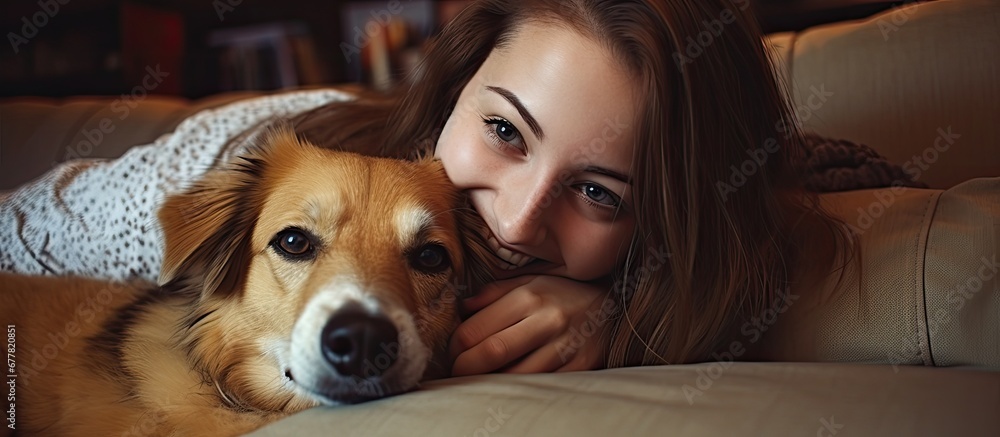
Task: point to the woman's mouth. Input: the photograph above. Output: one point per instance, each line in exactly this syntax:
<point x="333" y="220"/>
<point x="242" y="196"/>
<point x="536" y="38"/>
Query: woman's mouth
<point x="513" y="259"/>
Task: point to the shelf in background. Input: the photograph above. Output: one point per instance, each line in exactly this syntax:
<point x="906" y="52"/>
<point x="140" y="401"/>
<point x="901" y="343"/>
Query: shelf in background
<point x="109" y="46"/>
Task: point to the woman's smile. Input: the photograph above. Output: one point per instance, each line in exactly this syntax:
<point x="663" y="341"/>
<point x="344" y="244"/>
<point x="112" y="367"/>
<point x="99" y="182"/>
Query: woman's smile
<point x="551" y="180"/>
<point x="514" y="259"/>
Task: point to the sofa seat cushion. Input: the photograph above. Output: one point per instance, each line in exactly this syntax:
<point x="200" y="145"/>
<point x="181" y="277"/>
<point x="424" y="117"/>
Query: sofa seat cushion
<point x="711" y="399"/>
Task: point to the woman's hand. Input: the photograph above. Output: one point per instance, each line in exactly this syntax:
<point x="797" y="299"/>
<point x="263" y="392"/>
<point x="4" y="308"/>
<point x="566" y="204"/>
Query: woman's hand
<point x="532" y="324"/>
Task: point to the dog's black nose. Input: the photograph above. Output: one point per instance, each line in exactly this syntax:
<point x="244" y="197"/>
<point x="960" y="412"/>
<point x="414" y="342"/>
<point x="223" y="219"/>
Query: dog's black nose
<point x="359" y="344"/>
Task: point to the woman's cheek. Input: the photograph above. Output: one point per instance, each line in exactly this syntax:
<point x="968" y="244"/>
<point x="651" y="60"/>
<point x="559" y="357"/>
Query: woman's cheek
<point x="448" y="151"/>
<point x="462" y="156"/>
<point x="596" y="255"/>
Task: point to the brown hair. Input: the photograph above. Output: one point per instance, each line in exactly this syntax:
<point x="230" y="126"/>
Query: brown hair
<point x="710" y="104"/>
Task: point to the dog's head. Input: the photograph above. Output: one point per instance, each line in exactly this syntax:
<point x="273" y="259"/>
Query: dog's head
<point x="316" y="276"/>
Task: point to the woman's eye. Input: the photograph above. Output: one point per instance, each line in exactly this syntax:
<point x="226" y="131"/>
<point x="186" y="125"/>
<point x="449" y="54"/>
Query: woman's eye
<point x="598" y="194"/>
<point x="503" y="134"/>
<point x="506" y="131"/>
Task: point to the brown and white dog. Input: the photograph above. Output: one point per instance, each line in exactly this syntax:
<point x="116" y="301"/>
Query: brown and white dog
<point x="293" y="277"/>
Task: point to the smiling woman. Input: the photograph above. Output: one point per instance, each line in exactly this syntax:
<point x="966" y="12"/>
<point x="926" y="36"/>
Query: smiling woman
<point x="594" y="159"/>
<point x="551" y="199"/>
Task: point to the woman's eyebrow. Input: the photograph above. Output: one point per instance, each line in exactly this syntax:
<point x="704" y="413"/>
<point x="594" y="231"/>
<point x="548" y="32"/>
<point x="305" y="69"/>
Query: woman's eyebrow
<point x="516" y="102"/>
<point x="610" y="173"/>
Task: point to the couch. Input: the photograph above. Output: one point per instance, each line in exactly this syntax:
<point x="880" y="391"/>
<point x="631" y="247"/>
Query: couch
<point x="907" y="344"/>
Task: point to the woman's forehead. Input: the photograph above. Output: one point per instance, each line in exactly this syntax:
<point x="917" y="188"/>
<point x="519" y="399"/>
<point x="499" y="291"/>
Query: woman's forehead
<point x="568" y="82"/>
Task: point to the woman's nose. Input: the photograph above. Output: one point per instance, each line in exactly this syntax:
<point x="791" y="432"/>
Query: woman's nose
<point x="522" y="212"/>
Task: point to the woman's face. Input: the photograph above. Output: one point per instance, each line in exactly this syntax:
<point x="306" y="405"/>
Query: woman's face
<point x="541" y="141"/>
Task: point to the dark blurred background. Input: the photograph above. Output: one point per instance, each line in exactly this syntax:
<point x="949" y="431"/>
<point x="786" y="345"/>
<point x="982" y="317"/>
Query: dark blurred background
<point x="194" y="48"/>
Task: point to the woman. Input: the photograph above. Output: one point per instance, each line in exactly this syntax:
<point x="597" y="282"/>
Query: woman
<point x="595" y="146"/>
<point x="690" y="259"/>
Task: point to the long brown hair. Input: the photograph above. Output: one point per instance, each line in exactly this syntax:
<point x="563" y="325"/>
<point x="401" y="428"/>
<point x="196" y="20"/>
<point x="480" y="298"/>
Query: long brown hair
<point x="712" y="248"/>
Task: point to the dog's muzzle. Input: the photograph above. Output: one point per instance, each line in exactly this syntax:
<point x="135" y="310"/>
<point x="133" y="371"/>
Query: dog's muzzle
<point x="348" y="347"/>
<point x="358" y="344"/>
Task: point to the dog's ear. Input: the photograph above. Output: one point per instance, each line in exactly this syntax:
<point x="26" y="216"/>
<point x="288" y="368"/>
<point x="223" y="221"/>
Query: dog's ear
<point x="208" y="227"/>
<point x="473" y="231"/>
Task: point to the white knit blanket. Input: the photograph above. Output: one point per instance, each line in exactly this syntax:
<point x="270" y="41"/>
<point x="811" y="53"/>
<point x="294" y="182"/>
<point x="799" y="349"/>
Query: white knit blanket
<point x="97" y="218"/>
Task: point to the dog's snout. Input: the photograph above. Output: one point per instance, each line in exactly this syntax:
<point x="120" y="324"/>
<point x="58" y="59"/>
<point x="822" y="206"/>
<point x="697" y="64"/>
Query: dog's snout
<point x="359" y="344"/>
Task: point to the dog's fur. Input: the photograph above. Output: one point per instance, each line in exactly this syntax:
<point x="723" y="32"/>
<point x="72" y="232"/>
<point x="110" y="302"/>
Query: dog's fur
<point x="230" y="338"/>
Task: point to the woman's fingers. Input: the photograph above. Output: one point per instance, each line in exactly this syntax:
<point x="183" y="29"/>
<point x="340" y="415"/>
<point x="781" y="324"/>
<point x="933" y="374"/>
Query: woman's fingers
<point x="570" y="352"/>
<point x="497" y="350"/>
<point x="489" y="319"/>
<point x="492" y="292"/>
<point x="525" y="325"/>
<point x="545" y="359"/>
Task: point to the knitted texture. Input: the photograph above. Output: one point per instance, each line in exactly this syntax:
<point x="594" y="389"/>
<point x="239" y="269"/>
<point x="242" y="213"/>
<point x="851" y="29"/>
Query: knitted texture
<point x="842" y="165"/>
<point x="97" y="217"/>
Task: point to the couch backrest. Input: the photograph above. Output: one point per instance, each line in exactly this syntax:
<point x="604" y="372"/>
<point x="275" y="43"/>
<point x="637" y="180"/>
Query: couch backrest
<point x="920" y="83"/>
<point x="38" y="133"/>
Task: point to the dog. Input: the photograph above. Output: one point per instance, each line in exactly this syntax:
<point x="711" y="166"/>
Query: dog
<point x="292" y="277"/>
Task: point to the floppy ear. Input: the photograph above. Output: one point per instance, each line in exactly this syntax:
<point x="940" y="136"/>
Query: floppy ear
<point x="472" y="232"/>
<point x="208" y="227"/>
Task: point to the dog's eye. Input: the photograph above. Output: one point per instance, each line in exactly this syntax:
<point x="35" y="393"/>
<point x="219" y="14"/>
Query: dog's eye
<point x="294" y="243"/>
<point x="430" y="258"/>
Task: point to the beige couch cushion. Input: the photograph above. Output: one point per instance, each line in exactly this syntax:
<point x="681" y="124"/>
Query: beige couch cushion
<point x="925" y="291"/>
<point x="745" y="399"/>
<point x="962" y="299"/>
<point x="898" y="80"/>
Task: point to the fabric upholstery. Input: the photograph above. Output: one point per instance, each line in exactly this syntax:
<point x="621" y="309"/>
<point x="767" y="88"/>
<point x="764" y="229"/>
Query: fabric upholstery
<point x="746" y="399"/>
<point x="897" y="80"/>
<point x="963" y="292"/>
<point x="922" y="290"/>
<point x="38" y="133"/>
